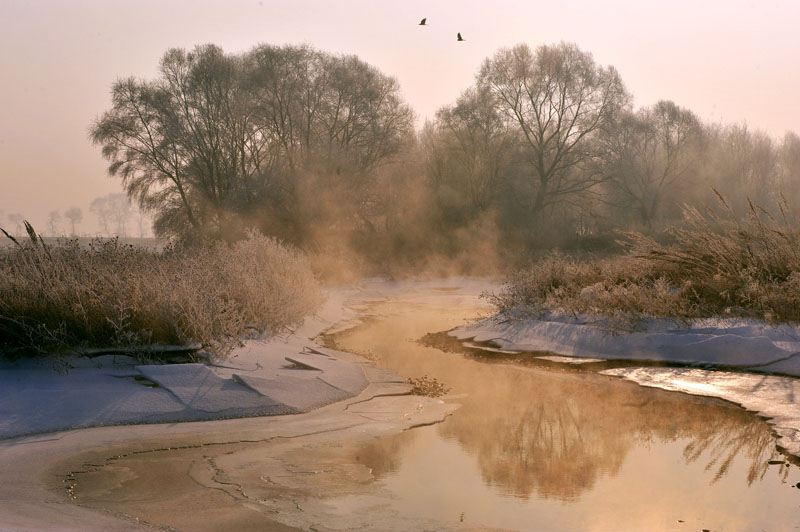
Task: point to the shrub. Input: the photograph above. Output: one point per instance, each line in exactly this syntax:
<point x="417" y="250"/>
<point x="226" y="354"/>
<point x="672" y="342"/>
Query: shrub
<point x="718" y="266"/>
<point x="55" y="298"/>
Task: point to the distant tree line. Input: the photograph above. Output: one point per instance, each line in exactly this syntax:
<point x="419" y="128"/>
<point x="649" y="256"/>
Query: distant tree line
<point x="320" y="149"/>
<point x="114" y="214"/>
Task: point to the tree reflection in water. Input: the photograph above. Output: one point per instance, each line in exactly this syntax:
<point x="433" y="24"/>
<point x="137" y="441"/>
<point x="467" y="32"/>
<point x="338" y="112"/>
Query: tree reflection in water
<point x="548" y="433"/>
<point x="555" y="435"/>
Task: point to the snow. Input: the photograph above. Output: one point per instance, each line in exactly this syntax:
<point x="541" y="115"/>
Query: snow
<point x="111" y="389"/>
<point x="728" y="343"/>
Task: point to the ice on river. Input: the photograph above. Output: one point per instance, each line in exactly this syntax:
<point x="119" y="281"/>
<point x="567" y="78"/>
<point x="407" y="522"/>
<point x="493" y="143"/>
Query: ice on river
<point x="730" y="343"/>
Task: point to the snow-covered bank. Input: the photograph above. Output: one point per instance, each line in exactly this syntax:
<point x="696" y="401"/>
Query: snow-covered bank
<point x="282" y="375"/>
<point x="758" y="350"/>
<point x="256" y="380"/>
<point x="729" y="343"/>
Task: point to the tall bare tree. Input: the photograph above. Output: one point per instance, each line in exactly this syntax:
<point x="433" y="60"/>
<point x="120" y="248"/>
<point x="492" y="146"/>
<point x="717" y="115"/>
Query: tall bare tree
<point x="75" y="216"/>
<point x="104" y="210"/>
<point x="334" y="119"/>
<point x="467" y="150"/>
<point x="560" y="101"/>
<point x="652" y="155"/>
<point x="745" y="166"/>
<point x="219" y="136"/>
<point x="54" y="222"/>
<point x="180" y="143"/>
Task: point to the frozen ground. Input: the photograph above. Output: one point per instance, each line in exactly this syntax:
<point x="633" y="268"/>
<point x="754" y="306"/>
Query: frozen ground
<point x="747" y="362"/>
<point x="285" y="375"/>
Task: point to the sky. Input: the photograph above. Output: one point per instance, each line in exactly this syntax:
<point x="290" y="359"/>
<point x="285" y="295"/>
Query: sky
<point x="731" y="61"/>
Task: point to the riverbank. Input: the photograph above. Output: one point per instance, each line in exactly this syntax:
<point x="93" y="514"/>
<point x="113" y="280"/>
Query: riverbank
<point x="282" y="375"/>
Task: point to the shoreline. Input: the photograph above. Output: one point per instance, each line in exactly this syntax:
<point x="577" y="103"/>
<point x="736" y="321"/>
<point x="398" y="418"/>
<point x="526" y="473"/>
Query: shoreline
<point x="46" y="468"/>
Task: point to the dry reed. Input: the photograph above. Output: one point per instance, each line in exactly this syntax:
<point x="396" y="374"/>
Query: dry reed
<point x="106" y="294"/>
<point x="720" y="266"/>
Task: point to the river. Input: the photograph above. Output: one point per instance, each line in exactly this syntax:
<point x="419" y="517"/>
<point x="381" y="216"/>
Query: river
<point x="530" y="448"/>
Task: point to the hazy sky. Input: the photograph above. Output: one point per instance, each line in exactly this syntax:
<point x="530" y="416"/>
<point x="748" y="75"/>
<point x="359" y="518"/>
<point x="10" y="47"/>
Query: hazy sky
<point x="730" y="61"/>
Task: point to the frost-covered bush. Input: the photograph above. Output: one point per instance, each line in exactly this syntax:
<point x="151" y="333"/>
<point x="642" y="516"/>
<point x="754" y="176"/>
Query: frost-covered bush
<point x="719" y="266"/>
<point x="109" y="294"/>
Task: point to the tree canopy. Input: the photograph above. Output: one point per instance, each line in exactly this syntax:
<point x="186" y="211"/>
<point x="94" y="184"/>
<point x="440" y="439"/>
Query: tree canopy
<point x="560" y="100"/>
<point x="218" y="140"/>
<point x="320" y="150"/>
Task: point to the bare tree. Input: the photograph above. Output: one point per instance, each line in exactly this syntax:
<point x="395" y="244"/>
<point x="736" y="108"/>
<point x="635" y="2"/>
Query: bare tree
<point x="468" y="149"/>
<point x="174" y="141"/>
<point x="113" y="211"/>
<point x="104" y="210"/>
<point x="220" y="136"/>
<point x="16" y="220"/>
<point x="54" y="222"/>
<point x="335" y="120"/>
<point x="651" y="156"/>
<point x="745" y="166"/>
<point x="790" y="167"/>
<point x="143" y="223"/>
<point x="120" y="208"/>
<point x="75" y="216"/>
<point x="560" y="100"/>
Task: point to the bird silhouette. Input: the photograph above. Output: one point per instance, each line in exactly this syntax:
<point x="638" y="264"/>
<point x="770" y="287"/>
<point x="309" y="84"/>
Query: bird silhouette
<point x="422" y="22"/>
<point x="460" y="38"/>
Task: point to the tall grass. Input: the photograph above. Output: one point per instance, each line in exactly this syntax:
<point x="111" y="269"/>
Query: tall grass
<point x="719" y="266"/>
<point x="55" y="298"/>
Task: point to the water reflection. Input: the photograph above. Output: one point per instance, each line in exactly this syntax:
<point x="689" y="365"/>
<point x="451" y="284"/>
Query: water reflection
<point x="548" y="434"/>
<point x="555" y="437"/>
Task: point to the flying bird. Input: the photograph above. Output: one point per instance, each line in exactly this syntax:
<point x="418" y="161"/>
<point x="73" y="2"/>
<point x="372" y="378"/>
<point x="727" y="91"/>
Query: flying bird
<point x="460" y="38"/>
<point x="422" y="22"/>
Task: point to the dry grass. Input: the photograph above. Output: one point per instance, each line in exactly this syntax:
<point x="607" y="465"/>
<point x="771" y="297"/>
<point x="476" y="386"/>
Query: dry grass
<point x="427" y="386"/>
<point x="55" y="298"/>
<point x="721" y="266"/>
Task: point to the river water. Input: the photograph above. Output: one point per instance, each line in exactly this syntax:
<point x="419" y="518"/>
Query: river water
<point x="565" y="449"/>
<point x="530" y="448"/>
